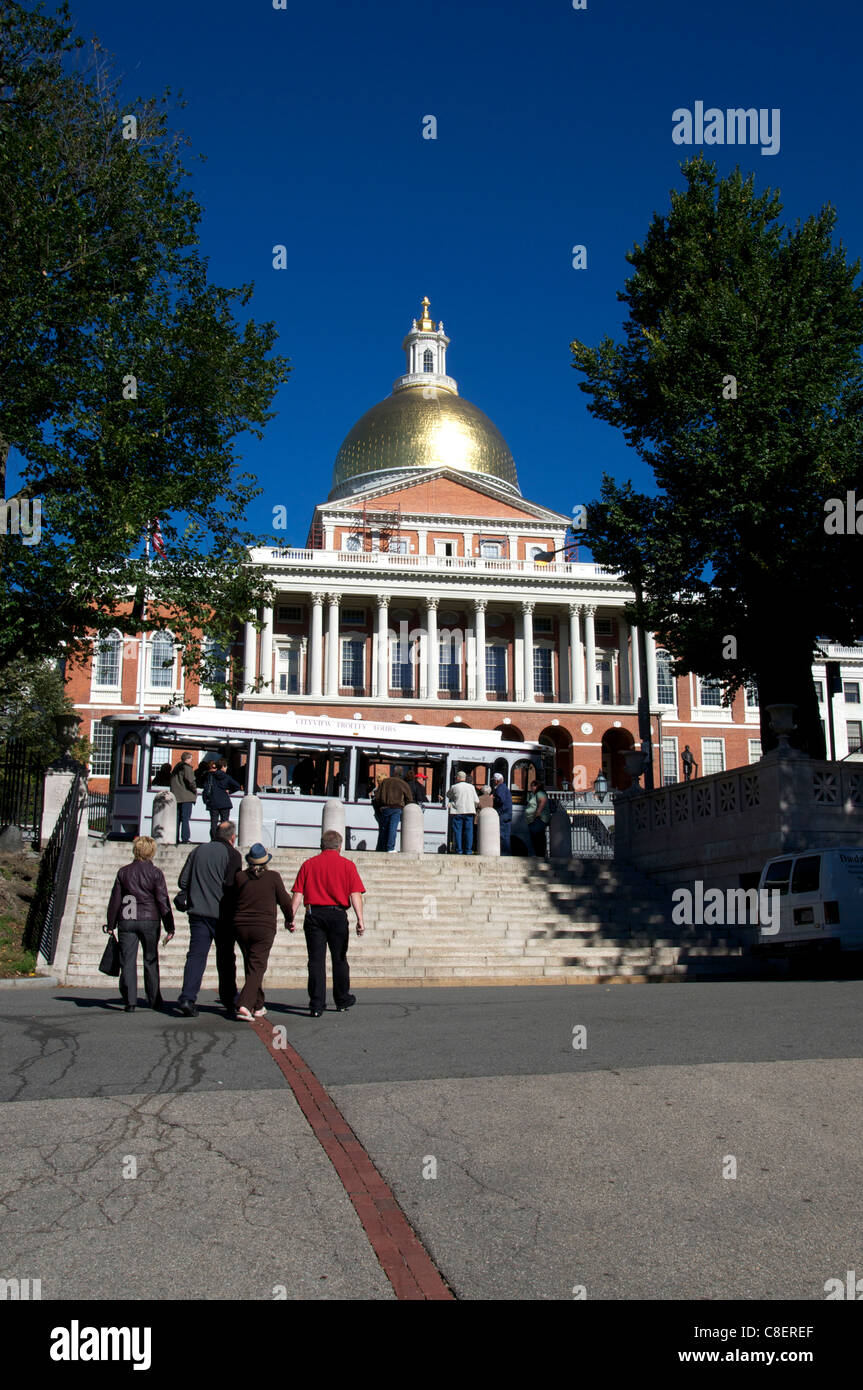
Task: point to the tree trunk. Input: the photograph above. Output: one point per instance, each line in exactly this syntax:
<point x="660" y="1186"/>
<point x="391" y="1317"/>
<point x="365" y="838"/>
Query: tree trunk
<point x="784" y="676"/>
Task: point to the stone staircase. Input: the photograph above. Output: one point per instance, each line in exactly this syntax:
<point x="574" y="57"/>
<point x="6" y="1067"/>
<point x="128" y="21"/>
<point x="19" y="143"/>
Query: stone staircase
<point x="441" y="919"/>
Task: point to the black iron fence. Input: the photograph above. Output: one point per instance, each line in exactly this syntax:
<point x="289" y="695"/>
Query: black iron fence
<point x="97" y="812"/>
<point x="593" y="836"/>
<point x="52" y="883"/>
<point x="22" y="778"/>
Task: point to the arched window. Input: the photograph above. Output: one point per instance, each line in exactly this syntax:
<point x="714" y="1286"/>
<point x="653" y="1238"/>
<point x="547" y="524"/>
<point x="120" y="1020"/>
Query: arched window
<point x="428" y="360"/>
<point x="162" y="661"/>
<point x="106" y="661"/>
<point x="664" y="678"/>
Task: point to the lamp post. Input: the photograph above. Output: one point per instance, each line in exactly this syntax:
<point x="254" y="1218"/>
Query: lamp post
<point x="600" y="786"/>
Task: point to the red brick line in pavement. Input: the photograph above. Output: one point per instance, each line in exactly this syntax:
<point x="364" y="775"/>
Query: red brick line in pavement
<point x="404" y="1260"/>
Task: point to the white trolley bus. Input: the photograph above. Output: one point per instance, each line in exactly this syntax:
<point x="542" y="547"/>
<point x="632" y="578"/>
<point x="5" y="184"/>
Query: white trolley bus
<point x="296" y="762"/>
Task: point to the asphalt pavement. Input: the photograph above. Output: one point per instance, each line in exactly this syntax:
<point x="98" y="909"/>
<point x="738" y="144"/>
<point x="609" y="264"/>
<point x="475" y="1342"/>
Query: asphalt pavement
<point x="624" y="1142"/>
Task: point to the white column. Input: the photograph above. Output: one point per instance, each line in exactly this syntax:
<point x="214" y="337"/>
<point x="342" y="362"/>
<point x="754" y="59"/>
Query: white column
<point x="317" y="644"/>
<point x="614" y="683"/>
<point x="480" y="606"/>
<point x="590" y="657"/>
<point x="383" y="673"/>
<point x="652" y="689"/>
<point x="518" y="657"/>
<point x="636" y="668"/>
<point x="266" y="666"/>
<point x="576" y="655"/>
<point x="431" y="649"/>
<point x="623" y="639"/>
<point x="249" y="644"/>
<point x="332" y="687"/>
<point x="527" y="615"/>
<point x="564" y="689"/>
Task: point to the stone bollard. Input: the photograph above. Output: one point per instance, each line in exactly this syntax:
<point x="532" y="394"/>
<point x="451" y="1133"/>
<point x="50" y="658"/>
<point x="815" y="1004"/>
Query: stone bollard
<point x="413" y="834"/>
<point x="250" y="822"/>
<point x="165" y="818"/>
<point x="334" y="818"/>
<point x="488" y="828"/>
<point x="559" y="834"/>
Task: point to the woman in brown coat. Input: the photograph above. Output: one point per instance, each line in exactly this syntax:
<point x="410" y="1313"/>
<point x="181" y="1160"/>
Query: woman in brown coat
<point x="259" y="891"/>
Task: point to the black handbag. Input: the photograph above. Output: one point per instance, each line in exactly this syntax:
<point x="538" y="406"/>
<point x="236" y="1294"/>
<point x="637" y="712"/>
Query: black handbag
<point x="110" y="962"/>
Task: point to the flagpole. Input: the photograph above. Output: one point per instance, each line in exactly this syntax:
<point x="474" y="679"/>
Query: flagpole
<point x="141" y="645"/>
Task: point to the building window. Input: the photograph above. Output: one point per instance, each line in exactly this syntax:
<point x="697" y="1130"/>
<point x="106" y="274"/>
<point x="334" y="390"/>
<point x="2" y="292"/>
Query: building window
<point x="710" y="694"/>
<point x="396" y="546"/>
<point x="819" y="692"/>
<point x="102" y="739"/>
<point x="449" y="667"/>
<point x="669" y="760"/>
<point x="664" y="679"/>
<point x="603" y="682"/>
<point x="401" y="671"/>
<point x="159" y="758"/>
<point x="491" y="550"/>
<point x="352" y="543"/>
<point x="288" y="671"/>
<point x="542" y="672"/>
<point x="495" y="670"/>
<point x="215" y="668"/>
<point x="751" y="692"/>
<point x="428" y="360"/>
<point x="543" y="625"/>
<point x="353" y="664"/>
<point x="602" y="627"/>
<point x="754" y="749"/>
<point x="446" y="548"/>
<point x="162" y="661"/>
<point x="106" y="666"/>
<point x="353" y="617"/>
<point x="851" y="691"/>
<point x="289" y="613"/>
<point x="534" y="550"/>
<point x="854" y="730"/>
<point x="712" y="755"/>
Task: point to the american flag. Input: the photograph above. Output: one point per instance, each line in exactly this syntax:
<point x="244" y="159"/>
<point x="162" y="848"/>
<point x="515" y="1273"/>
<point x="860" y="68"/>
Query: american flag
<point x="158" y="541"/>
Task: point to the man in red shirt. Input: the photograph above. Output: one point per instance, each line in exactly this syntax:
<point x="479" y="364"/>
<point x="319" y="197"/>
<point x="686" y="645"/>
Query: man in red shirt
<point x="326" y="884"/>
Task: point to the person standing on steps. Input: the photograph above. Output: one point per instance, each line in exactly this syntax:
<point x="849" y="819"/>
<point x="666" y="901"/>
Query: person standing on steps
<point x="259" y="891"/>
<point x="463" y="802"/>
<point x="217" y="794"/>
<point x="326" y="884"/>
<point x="391" y="797"/>
<point x="538" y="815"/>
<point x="138" y="903"/>
<point x="206" y="876"/>
<point x="502" y="801"/>
<point x="185" y="792"/>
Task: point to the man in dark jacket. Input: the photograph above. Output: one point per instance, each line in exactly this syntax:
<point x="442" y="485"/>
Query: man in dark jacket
<point x="206" y="875"/>
<point x="217" y="794"/>
<point x="391" y="797"/>
<point x="185" y="793"/>
<point x="502" y="801"/>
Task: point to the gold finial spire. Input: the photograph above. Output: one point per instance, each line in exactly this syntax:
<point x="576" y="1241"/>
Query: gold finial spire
<point x="426" y="323"/>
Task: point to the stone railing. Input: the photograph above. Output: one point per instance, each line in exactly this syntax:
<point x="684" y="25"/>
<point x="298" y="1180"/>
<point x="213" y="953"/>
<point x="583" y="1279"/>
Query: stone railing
<point x="726" y="825"/>
<point x="367" y="559"/>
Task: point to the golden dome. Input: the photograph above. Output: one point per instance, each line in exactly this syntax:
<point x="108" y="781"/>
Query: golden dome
<point x="421" y="427"/>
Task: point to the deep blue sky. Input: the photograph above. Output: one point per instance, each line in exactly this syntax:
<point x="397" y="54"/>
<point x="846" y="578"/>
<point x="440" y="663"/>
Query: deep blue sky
<point x="554" y="128"/>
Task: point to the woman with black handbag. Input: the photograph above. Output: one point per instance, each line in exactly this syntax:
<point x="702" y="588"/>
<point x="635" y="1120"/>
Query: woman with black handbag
<point x="138" y="904"/>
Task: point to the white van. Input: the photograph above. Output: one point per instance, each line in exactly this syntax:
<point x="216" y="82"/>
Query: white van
<point x="820" y="900"/>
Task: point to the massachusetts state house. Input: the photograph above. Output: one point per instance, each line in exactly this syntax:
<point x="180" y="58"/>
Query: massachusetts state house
<point x="420" y="596"/>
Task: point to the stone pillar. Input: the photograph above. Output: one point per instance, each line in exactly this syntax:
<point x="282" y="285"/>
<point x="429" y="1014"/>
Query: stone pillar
<point x="518" y="657"/>
<point x="412" y="829"/>
<point x="334" y="817"/>
<point x="332" y="686"/>
<point x="576" y="655"/>
<point x="527" y="615"/>
<point x="480" y="606"/>
<point x="625" y="682"/>
<point x="250" y="822"/>
<point x="164" y="827"/>
<point x="488" y="832"/>
<point x="383" y="672"/>
<point x="266" y="667"/>
<point x="636" y="668"/>
<point x="317" y="645"/>
<point x="250" y="642"/>
<point x="559" y="834"/>
<point x="652" y="686"/>
<point x="590" y="657"/>
<point x="432" y="653"/>
<point x="55" y="789"/>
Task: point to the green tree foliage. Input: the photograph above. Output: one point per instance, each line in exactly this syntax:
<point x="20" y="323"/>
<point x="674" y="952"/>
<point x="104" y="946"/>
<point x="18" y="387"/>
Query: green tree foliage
<point x="740" y="383"/>
<point x="125" y="377"/>
<point x="31" y="694"/>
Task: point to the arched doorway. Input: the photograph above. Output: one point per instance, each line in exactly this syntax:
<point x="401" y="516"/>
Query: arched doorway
<point x="511" y="732"/>
<point x="615" y="742"/>
<point x="559" y="764"/>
